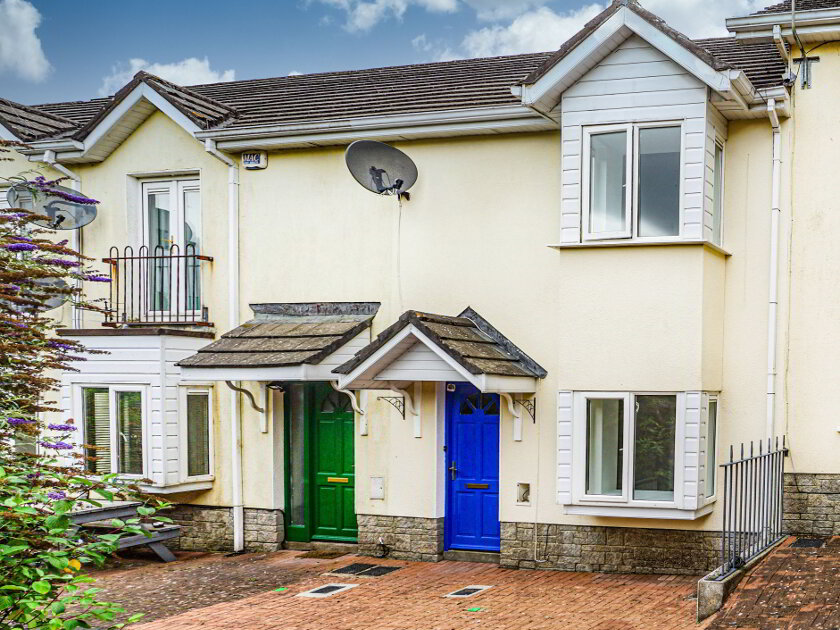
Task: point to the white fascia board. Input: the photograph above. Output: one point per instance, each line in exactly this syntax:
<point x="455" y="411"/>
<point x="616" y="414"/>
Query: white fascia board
<point x="494" y="383"/>
<point x="765" y="23"/>
<point x="536" y="92"/>
<point x="142" y="91"/>
<point x="283" y="373"/>
<point x="348" y="381"/>
<point x="392" y="123"/>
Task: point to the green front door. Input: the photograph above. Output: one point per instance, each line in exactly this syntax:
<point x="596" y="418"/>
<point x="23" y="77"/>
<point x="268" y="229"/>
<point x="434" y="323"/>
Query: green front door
<point x="320" y="470"/>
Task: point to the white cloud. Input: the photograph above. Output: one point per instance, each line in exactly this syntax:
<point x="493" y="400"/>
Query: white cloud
<point x="538" y="30"/>
<point x="295" y="73"/>
<point x="190" y="71"/>
<point x="363" y="15"/>
<point x="436" y="50"/>
<point x="543" y="29"/>
<point x="20" y="49"/>
<point x="496" y="10"/>
<point x="702" y="18"/>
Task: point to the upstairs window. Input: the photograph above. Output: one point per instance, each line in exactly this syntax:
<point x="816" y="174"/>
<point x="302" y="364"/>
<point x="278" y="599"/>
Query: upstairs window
<point x="631" y="181"/>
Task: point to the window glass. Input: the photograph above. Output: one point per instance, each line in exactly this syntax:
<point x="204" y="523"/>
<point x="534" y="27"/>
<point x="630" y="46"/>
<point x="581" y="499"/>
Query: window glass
<point x="717" y="219"/>
<point x="711" y="450"/>
<point x="608" y="182"/>
<point x="297" y="461"/>
<point x="192" y="245"/>
<point x="130" y="432"/>
<point x="654" y="447"/>
<point x="659" y="181"/>
<point x="198" y="434"/>
<point x="604" y="446"/>
<point x="97" y="429"/>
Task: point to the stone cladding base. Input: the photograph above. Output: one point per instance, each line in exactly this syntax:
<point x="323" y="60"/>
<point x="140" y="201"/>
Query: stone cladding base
<point x="406" y="537"/>
<point x="209" y="528"/>
<point x="812" y="504"/>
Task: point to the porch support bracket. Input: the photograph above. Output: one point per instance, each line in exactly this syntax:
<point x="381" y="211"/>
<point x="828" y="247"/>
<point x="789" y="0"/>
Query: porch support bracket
<point x="247" y="394"/>
<point x="352" y="396"/>
<point x="411" y="407"/>
<point x="516" y="413"/>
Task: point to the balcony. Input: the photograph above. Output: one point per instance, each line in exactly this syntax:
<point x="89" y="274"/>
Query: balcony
<point x="161" y="287"/>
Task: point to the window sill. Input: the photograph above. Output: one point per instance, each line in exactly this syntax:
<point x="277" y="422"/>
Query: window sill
<point x="677" y="242"/>
<point x="187" y="486"/>
<point x="624" y="511"/>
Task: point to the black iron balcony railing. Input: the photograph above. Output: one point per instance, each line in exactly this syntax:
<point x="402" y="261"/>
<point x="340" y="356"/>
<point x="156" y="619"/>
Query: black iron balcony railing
<point x="161" y="287"/>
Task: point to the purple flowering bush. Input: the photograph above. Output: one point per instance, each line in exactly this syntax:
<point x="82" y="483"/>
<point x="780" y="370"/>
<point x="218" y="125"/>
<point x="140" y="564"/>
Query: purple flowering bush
<point x="43" y="479"/>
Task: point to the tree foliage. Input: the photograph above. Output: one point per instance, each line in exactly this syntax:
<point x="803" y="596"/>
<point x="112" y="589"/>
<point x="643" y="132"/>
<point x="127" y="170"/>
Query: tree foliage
<point x="43" y="556"/>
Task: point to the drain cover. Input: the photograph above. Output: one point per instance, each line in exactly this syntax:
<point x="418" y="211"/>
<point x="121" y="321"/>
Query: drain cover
<point x="814" y="543"/>
<point x="365" y="570"/>
<point x="327" y="590"/>
<point x="468" y="591"/>
<point x="377" y="570"/>
<point x="354" y="569"/>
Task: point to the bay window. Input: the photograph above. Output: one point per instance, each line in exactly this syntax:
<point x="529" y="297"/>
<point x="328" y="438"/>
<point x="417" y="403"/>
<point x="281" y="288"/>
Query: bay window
<point x="113" y="430"/>
<point x="632" y="176"/>
<point x="628" y="445"/>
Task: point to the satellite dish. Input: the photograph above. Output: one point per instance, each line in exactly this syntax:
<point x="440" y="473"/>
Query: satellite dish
<point x="53" y="302"/>
<point x="381" y="168"/>
<point x="62" y="213"/>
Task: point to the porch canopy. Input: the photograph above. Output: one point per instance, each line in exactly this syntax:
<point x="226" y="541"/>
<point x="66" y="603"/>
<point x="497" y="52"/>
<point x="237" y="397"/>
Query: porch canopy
<point x="428" y="347"/>
<point x="285" y="342"/>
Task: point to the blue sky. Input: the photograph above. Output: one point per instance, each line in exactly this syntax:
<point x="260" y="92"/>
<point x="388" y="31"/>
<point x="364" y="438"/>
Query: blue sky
<point x="57" y="50"/>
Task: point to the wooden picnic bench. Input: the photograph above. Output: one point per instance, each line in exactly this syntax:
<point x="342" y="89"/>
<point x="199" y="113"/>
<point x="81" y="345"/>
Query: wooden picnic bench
<point x="100" y="517"/>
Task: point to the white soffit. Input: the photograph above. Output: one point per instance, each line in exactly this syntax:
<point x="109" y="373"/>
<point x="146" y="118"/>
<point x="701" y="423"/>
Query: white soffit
<point x="819" y="25"/>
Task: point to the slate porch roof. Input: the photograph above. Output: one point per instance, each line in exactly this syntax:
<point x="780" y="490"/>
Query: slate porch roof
<point x="286" y="334"/>
<point x="387" y="91"/>
<point x="469" y="339"/>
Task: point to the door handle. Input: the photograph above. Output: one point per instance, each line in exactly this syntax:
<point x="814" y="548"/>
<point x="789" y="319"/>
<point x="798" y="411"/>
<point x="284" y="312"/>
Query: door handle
<point x="453" y="470"/>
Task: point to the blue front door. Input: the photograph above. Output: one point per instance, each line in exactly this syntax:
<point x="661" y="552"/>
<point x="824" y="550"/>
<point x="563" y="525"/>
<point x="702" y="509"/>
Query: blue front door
<point x="472" y="462"/>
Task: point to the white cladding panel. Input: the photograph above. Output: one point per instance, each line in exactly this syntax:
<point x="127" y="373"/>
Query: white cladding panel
<point x="635" y="83"/>
<point x="419" y="363"/>
<point x="147" y="361"/>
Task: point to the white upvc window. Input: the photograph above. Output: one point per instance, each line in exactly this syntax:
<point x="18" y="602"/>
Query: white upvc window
<point x="712" y="415"/>
<point x="717" y="193"/>
<point x="632" y="181"/>
<point x="114" y="429"/>
<point x="196" y="433"/>
<point x="627" y="448"/>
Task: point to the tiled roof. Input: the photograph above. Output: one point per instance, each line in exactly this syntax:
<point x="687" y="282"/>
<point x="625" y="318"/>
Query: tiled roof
<point x="396" y="90"/>
<point x="286" y="334"/>
<point x="469" y="339"/>
<point x="801" y="5"/>
<point x="760" y="62"/>
<point x="29" y="123"/>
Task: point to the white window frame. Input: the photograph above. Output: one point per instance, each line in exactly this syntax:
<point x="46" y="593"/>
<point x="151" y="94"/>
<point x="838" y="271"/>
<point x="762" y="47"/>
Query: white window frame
<point x="113" y="388"/>
<point x="183" y="459"/>
<point x="711" y="498"/>
<point x="596" y="130"/>
<point x="579" y="496"/>
<point x="175" y="187"/>
<point x="631" y="229"/>
<point x="719" y="144"/>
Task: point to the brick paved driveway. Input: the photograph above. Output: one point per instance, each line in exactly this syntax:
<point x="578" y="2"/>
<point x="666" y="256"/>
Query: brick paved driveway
<point x="407" y="599"/>
<point x="792" y="589"/>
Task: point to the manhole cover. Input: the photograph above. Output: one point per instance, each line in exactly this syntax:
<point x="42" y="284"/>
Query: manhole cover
<point x="327" y="590"/>
<point x="814" y="543"/>
<point x="468" y="591"/>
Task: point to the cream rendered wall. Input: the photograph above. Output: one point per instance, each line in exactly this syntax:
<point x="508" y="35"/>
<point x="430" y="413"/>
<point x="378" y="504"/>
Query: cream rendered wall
<point x="811" y="418"/>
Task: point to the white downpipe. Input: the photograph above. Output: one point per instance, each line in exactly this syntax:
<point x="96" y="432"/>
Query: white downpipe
<point x="238" y="506"/>
<point x="773" y="299"/>
<point x="77" y="315"/>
